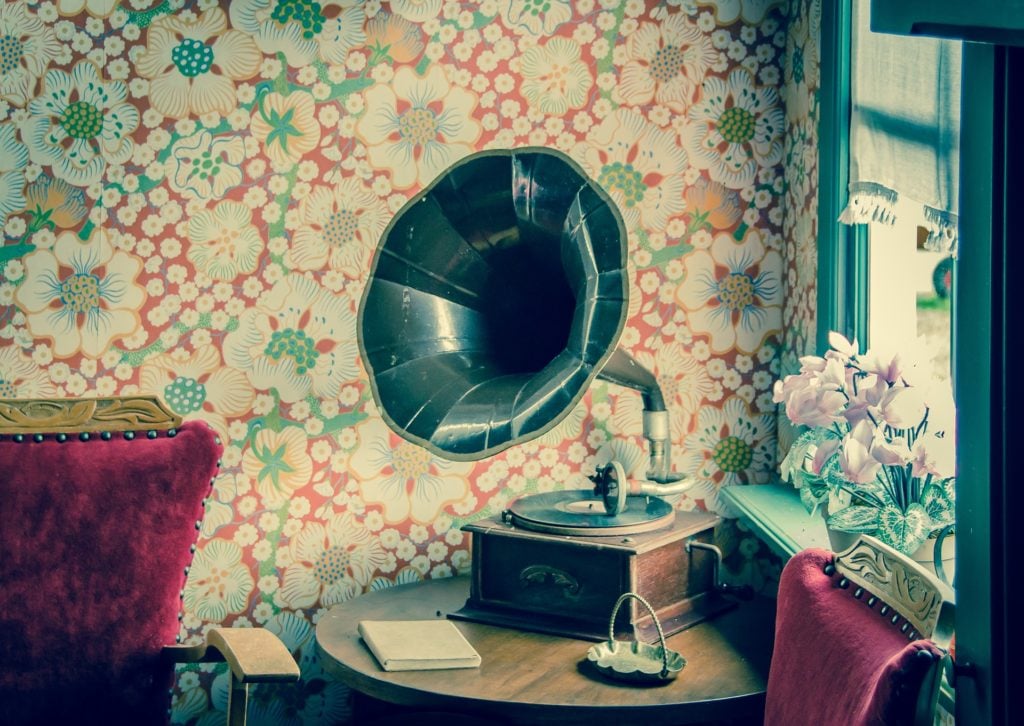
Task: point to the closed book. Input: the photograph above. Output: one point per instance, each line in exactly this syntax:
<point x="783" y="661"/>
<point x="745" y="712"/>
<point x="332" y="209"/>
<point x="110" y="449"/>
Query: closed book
<point x="410" y="645"/>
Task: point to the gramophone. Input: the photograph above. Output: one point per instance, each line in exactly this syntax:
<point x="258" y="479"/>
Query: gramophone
<point x="496" y="296"/>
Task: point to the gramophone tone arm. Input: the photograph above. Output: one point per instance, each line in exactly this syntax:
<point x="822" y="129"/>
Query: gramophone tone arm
<point x="613" y="486"/>
<point x="661" y="489"/>
<point x="656" y="431"/>
<point x="623" y="369"/>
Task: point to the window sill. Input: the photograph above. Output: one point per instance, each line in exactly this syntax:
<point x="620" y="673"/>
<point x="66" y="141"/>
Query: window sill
<point x="776" y="515"/>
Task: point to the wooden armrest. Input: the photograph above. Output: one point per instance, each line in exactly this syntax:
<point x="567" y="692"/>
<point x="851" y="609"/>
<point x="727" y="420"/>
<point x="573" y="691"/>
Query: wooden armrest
<point x="255" y="655"/>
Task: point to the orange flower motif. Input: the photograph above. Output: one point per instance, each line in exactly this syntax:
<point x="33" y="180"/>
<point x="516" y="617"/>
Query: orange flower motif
<point x="393" y="37"/>
<point x="55" y="202"/>
<point x="286" y="125"/>
<point x="279" y="464"/>
<point x="711" y="202"/>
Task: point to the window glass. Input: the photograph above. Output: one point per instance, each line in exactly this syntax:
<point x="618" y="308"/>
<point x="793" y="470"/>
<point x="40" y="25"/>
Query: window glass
<point x="909" y="293"/>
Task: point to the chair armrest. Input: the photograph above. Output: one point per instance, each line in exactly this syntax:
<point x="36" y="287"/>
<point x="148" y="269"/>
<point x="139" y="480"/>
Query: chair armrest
<point x="254" y="655"/>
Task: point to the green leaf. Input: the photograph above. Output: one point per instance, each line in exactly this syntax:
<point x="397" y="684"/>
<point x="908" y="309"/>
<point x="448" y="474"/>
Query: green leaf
<point x="667" y="254"/>
<point x="348" y="87"/>
<point x="837" y="482"/>
<point x="939" y="503"/>
<point x="874" y="490"/>
<point x="802" y="451"/>
<point x="855" y="518"/>
<point x="812" y="498"/>
<point x="905" y="531"/>
<point x="13" y="252"/>
<point x="342" y="421"/>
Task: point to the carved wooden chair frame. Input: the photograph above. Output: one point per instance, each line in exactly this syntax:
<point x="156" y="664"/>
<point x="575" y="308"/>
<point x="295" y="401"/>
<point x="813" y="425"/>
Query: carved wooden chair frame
<point x="912" y="598"/>
<point x="253" y="655"/>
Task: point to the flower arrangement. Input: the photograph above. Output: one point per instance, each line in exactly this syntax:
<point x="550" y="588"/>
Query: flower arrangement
<point x="876" y="447"/>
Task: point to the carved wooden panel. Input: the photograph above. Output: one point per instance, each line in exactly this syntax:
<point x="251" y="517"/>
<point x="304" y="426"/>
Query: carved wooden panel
<point x="74" y="415"/>
<point x="899" y="582"/>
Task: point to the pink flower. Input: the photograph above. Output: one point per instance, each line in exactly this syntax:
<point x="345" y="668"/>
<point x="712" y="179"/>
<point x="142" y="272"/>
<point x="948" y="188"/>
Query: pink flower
<point x="890" y="453"/>
<point x="812" y="364"/>
<point x="833" y="376"/>
<point x="863" y="433"/>
<point x="889" y="369"/>
<point x="855" y="458"/>
<point x="821" y="455"/>
<point x="923" y="461"/>
<point x="933" y="455"/>
<point x="842" y="346"/>
<point x="813" y="406"/>
<point x="787" y="387"/>
<point x="865" y="403"/>
<point x="902" y="407"/>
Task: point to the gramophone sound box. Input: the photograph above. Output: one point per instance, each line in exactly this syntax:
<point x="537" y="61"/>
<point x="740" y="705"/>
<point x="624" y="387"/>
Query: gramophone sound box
<point x="567" y="584"/>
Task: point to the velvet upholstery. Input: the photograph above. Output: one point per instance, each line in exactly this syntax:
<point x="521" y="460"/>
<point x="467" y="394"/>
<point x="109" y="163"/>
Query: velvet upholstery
<point x="95" y="542"/>
<point x="836" y="660"/>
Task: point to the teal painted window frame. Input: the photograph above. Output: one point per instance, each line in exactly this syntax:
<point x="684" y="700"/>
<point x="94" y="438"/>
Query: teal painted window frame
<point x="985" y="379"/>
<point x="842" y="249"/>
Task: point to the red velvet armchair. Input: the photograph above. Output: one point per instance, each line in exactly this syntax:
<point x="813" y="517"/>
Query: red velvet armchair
<point x="101" y="501"/>
<point x="861" y="639"/>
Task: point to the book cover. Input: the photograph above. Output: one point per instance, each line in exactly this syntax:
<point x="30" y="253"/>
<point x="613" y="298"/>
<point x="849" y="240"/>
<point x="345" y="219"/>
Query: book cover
<point x="407" y="645"/>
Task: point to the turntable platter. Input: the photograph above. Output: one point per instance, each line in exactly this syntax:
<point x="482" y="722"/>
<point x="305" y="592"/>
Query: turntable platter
<point x="578" y="512"/>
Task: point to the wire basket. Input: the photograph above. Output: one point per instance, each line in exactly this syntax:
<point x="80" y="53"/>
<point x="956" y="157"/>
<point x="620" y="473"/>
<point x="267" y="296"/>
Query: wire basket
<point x="634" y="661"/>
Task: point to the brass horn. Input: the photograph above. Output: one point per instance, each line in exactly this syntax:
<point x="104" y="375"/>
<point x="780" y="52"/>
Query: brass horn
<point x="496" y="295"/>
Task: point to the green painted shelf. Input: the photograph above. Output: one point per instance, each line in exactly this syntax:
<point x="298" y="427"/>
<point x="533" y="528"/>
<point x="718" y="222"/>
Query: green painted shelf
<point x="775" y="514"/>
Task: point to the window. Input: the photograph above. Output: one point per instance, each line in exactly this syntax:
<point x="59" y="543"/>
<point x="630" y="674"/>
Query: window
<point x="908" y="290"/>
<point x="903" y="165"/>
<point x="904" y="172"/>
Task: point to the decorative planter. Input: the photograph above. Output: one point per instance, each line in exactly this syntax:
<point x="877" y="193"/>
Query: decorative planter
<point x="925" y="556"/>
<point x="838" y="540"/>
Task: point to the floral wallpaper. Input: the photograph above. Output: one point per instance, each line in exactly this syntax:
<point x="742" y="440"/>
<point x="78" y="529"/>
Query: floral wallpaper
<point x="191" y="192"/>
<point x="801" y="82"/>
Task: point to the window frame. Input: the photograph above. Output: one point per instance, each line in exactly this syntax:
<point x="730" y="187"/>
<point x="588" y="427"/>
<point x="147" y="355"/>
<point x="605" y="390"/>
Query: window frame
<point x="843" y="261"/>
<point x="983" y="379"/>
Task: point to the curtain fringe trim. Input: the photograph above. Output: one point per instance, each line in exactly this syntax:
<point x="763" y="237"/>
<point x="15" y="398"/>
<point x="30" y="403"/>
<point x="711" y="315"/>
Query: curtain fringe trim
<point x="942" y="230"/>
<point x="870" y="202"/>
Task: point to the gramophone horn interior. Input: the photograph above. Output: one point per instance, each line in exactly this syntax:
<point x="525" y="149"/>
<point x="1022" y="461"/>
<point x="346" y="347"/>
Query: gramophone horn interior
<point x="495" y="297"/>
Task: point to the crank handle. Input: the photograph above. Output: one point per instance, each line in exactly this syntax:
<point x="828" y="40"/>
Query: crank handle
<point x="743" y="592"/>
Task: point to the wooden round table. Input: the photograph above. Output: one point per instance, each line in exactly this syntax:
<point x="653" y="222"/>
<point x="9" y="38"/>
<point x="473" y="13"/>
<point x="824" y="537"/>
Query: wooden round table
<point x="531" y="678"/>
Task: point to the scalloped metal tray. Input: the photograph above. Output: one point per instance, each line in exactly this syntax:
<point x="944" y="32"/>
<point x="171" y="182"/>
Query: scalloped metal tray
<point x="635" y="662"/>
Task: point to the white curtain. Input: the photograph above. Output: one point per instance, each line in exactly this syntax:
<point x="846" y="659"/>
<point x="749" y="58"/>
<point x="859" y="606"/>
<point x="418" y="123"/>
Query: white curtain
<point x="904" y="129"/>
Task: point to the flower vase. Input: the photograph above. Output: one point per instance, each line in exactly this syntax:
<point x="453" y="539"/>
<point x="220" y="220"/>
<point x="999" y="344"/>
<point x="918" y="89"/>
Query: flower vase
<point x="838" y="540"/>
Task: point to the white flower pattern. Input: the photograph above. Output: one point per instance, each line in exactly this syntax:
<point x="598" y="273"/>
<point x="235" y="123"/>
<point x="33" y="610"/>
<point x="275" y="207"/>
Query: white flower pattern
<point x="302" y="32"/>
<point x="733" y="292"/>
<point x="407" y="480"/>
<point x="80" y="124"/>
<point x="298" y="340"/>
<point x="13" y="159"/>
<point x="639" y="165"/>
<point x="730" y="446"/>
<point x="266" y="148"/>
<point x="27" y="46"/>
<point x="331" y="562"/>
<point x="736" y="129"/>
<point x="81" y="296"/>
<point x="417" y="126"/>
